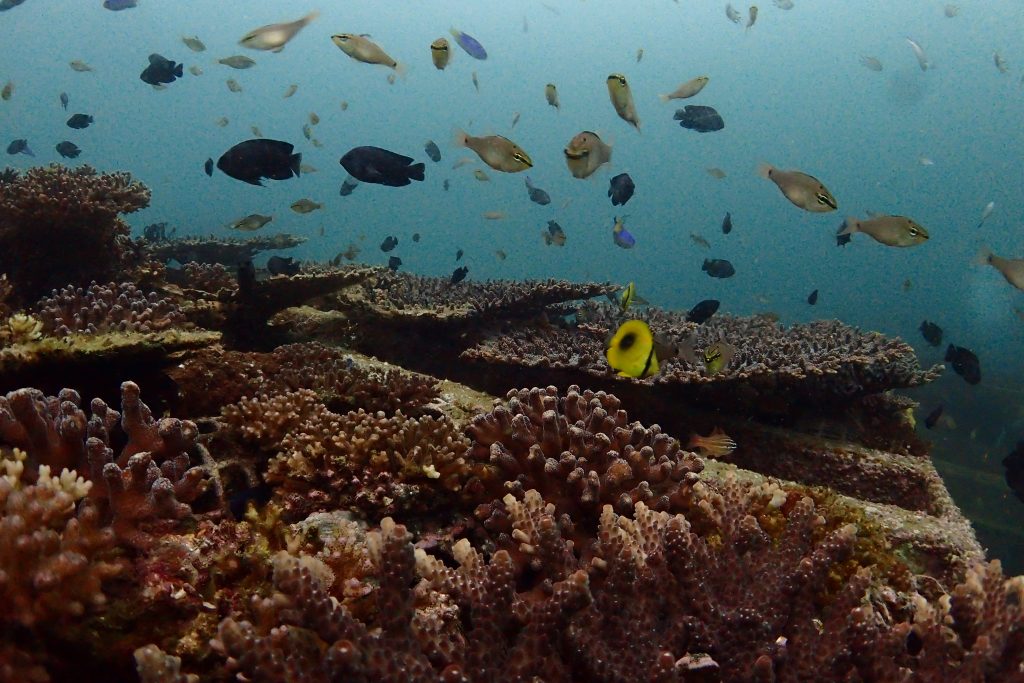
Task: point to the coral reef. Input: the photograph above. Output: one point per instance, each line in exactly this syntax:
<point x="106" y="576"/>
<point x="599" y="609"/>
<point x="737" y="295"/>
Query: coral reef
<point x="79" y="210"/>
<point x="103" y="308"/>
<point x="227" y="252"/>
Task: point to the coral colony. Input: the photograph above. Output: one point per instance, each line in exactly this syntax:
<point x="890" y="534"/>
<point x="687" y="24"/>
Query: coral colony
<point x="421" y="515"/>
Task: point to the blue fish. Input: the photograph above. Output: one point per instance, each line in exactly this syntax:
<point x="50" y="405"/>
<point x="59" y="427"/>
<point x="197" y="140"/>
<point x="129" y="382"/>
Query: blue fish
<point x="118" y="5"/>
<point x="621" y="236"/>
<point x="470" y="44"/>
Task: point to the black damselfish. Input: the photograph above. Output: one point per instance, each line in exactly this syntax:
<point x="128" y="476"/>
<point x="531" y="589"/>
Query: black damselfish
<point x="381" y="167"/>
<point x="252" y="160"/>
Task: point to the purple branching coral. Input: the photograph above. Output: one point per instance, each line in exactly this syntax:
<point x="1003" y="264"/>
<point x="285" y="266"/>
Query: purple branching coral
<point x="106" y="308"/>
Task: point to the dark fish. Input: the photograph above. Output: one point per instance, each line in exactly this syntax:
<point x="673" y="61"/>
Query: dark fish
<point x="843" y="240"/>
<point x="160" y="70"/>
<point x="727" y="223"/>
<point x="933" y="417"/>
<point x="381" y="166"/>
<point x="389" y="243"/>
<point x="537" y="195"/>
<point x="281" y="265"/>
<point x="699" y="118"/>
<point x="259" y="495"/>
<point x="394" y="262"/>
<point x="68" y="150"/>
<point x="445" y="184"/>
<point x="258" y="158"/>
<point x="19" y="146"/>
<point x="79" y="121"/>
<point x="555" y="235"/>
<point x="118" y="5"/>
<point x="812" y="298"/>
<point x="621" y="189"/>
<point x="931" y="332"/>
<point x="64" y="100"/>
<point x="348" y="186"/>
<point x="718" y="267"/>
<point x="415" y="237"/>
<point x="432" y="151"/>
<point x="458" y="255"/>
<point x="1014" y="464"/>
<point x="246" y="278"/>
<point x="155" y="232"/>
<point x="208" y="167"/>
<point x="703" y="311"/>
<point x="459" y="274"/>
<point x="9" y="4"/>
<point x="965" y="363"/>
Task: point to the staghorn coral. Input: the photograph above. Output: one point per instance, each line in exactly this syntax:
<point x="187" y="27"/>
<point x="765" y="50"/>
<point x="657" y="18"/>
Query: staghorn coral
<point x="103" y="308"/>
<point x="77" y="209"/>
<point x="145" y="487"/>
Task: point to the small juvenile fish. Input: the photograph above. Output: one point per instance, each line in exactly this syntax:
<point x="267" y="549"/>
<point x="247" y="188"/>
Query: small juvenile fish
<point x="468" y="43"/>
<point x="307" y="132"/>
<point x="622" y="99"/>
<point x="193" y="43"/>
<point x="985" y="213"/>
<point x="391" y="79"/>
<point x="118" y="5"/>
<point x="715" y="445"/>
<point x="458" y="255"/>
<point x="495" y="215"/>
<point x="812" y="298"/>
<point x="20" y="146"/>
<point x="1000" y="63"/>
<point x="394" y="263"/>
<point x="622" y="237"/>
<point x="925" y="161"/>
<point x="501" y="255"/>
<point x="551" y="95"/>
<point x="537" y="195"/>
<point x="476" y="81"/>
<point x="933" y="417"/>
<point x="256" y="131"/>
<point x="931" y="332"/>
<point x="1011" y="268"/>
<point x="480" y="175"/>
<point x="459" y="274"/>
<point x="496" y="151"/>
<point x="208" y="167"/>
<point x="237" y="62"/>
<point x="639" y="55"/>
<point x="715" y="172"/>
<point x="274" y="37"/>
<point x="727" y="223"/>
<point x="79" y="121"/>
<point x="8" y="90"/>
<point x="67" y="149"/>
<point x="362" y="49"/>
<point x="783" y="4"/>
<point x="63" y="101"/>
<point x="892" y="231"/>
<point x="313" y="118"/>
<point x="922" y="58"/>
<point x="195" y="70"/>
<point x="703" y="311"/>
<point x="344" y="105"/>
<point x="621" y="189"/>
<point x="79" y="66"/>
<point x="965" y="363"/>
<point x="718" y="267"/>
<point x="307" y="168"/>
<point x="732" y="14"/>
<point x="717" y="356"/>
<point x="515" y="120"/>
<point x="233" y="85"/>
<point x="461" y="161"/>
<point x="290" y="91"/>
<point x="871" y="62"/>
<point x="305" y="205"/>
<point x="432" y="150"/>
<point x="804" y="191"/>
<point x="554" y="235"/>
<point x="752" y="16"/>
<point x="250" y="223"/>
<point x="628" y="297"/>
<point x="700" y="241"/>
<point x="222" y="121"/>
<point x="950" y="11"/>
<point x="687" y="89"/>
<point x="440" y="53"/>
<point x="389" y="243"/>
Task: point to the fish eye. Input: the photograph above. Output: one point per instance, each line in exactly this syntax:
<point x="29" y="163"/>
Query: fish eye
<point x="627" y="341"/>
<point x="913" y="232"/>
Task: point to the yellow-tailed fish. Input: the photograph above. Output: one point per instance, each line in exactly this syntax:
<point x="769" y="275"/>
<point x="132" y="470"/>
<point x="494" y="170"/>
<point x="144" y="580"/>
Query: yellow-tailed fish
<point x="714" y="445"/>
<point x="496" y="151"/>
<point x="362" y="49"/>
<point x="630" y="351"/>
<point x="622" y="99"/>
<point x="801" y="189"/>
<point x="892" y="231"/>
<point x="751" y="16"/>
<point x="717" y="356"/>
<point x="274" y="37"/>
<point x="480" y="175"/>
<point x="551" y="95"/>
<point x="629" y="297"/>
<point x="440" y="53"/>
<point x="687" y="89"/>
<point x="1011" y="268"/>
<point x="585" y="153"/>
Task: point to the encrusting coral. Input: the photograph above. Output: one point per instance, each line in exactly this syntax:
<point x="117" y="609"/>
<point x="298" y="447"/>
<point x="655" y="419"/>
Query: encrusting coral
<point x="78" y="209"/>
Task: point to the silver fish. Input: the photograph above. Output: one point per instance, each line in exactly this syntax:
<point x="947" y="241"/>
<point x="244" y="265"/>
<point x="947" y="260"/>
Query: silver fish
<point x="273" y="37"/>
<point x="732" y="14"/>
<point x="237" y="62"/>
<point x="1000" y="63"/>
<point x="922" y="58"/>
<point x="871" y="63"/>
<point x="985" y="213"/>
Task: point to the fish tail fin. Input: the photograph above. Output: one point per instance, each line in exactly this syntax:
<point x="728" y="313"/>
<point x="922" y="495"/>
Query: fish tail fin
<point x="416" y="171"/>
<point x="460" y="138"/>
<point x="849" y="226"/>
<point x="401" y="70"/>
<point x="983" y="257"/>
<point x="179" y="70"/>
<point x="295" y="164"/>
<point x="764" y="170"/>
<point x="664" y="98"/>
<point x="311" y="17"/>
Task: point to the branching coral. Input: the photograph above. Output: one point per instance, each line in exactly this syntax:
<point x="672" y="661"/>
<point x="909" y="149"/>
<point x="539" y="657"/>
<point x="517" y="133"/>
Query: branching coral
<point x="103" y="308"/>
<point x="61" y="225"/>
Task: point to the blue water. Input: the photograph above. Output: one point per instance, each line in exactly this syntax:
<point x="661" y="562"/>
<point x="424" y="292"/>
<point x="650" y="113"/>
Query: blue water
<point x="792" y="93"/>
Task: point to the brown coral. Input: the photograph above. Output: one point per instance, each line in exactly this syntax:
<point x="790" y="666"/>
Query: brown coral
<point x="61" y="225"/>
<point x="104" y="308"/>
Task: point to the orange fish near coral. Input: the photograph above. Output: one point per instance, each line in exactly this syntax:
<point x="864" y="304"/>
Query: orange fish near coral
<point x="714" y="445"/>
